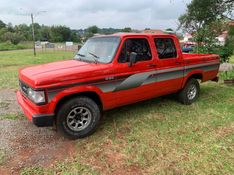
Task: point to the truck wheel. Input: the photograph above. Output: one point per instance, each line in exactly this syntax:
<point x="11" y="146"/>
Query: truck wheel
<point x="190" y="92"/>
<point x="78" y="117"/>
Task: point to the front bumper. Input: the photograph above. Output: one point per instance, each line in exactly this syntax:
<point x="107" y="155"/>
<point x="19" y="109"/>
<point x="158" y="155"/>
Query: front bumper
<point x="40" y="120"/>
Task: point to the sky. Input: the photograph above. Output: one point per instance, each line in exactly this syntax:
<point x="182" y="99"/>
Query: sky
<point x="77" y="14"/>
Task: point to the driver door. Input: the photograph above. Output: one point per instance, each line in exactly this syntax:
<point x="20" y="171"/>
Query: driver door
<point x="132" y="88"/>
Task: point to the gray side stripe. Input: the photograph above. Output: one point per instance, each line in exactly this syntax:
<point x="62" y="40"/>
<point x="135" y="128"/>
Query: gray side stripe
<point x="204" y="68"/>
<point x="201" y="65"/>
<point x="164" y="76"/>
<point x="139" y="79"/>
<point x="145" y="78"/>
<point x="109" y="87"/>
<point x="133" y="81"/>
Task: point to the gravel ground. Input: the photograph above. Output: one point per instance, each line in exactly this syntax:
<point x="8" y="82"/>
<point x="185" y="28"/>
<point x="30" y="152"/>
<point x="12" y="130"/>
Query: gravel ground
<point x="25" y="145"/>
<point x="8" y="102"/>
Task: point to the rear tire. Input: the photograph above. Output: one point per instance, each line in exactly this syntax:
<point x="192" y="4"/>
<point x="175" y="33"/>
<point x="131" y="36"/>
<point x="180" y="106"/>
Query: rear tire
<point x="190" y="92"/>
<point x="78" y="117"/>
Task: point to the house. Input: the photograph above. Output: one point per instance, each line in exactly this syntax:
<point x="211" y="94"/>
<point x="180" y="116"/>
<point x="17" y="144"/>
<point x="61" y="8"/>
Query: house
<point x="222" y="38"/>
<point x="187" y="37"/>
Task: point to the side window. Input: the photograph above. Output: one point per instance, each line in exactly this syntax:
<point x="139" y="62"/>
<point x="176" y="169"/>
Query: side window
<point x="137" y="45"/>
<point x="165" y="48"/>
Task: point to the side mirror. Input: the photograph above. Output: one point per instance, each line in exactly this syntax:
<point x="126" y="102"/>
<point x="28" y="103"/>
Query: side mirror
<point x="132" y="59"/>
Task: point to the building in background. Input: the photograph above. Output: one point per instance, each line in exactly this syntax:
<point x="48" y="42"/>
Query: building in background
<point x="153" y="31"/>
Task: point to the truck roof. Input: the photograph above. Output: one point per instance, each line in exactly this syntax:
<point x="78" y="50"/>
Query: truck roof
<point x="135" y="34"/>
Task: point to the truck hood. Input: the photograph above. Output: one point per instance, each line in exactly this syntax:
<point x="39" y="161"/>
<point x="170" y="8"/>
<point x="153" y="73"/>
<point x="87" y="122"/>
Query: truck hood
<point x="55" y="73"/>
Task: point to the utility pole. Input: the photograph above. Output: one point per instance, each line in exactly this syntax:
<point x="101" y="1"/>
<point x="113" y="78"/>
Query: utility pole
<point x="32" y="15"/>
<point x="33" y="35"/>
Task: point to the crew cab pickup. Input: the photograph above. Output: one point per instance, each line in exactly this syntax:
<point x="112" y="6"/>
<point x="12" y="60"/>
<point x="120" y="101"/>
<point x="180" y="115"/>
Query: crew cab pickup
<point x="108" y="72"/>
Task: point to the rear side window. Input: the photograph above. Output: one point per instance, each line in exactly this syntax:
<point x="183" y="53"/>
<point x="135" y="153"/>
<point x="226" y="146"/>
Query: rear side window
<point x="165" y="48"/>
<point x="137" y="45"/>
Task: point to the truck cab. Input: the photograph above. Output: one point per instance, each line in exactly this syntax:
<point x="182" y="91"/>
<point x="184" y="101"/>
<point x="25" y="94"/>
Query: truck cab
<point x="108" y="72"/>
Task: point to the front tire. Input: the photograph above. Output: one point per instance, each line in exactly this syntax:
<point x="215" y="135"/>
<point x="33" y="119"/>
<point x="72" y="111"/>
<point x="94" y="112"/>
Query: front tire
<point x="78" y="117"/>
<point x="190" y="92"/>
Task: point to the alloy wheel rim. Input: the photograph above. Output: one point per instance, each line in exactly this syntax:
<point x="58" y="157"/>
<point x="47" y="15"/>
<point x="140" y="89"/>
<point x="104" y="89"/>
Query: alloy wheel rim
<point x="79" y="118"/>
<point x="192" y="92"/>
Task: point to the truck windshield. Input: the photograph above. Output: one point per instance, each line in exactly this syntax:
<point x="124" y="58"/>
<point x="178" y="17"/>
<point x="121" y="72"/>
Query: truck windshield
<point x="100" y="49"/>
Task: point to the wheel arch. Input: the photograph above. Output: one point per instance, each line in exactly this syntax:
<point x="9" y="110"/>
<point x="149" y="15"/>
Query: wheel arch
<point x="90" y="94"/>
<point x="197" y="75"/>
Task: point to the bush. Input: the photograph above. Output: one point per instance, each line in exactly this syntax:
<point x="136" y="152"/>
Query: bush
<point x="209" y="44"/>
<point x="229" y="75"/>
<point x="14" y="38"/>
<point x="223" y="51"/>
<point x="10" y="46"/>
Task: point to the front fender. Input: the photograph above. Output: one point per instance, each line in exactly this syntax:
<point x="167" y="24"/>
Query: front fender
<point x="55" y="96"/>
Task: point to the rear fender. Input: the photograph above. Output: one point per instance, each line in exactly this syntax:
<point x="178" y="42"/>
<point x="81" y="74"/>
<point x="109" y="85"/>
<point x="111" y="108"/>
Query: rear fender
<point x="193" y="74"/>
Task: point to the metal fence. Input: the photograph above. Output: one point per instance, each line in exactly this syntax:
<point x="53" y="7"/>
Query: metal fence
<point x="57" y="47"/>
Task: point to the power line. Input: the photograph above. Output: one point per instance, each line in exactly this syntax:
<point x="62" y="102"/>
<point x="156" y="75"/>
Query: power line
<point x="32" y="15"/>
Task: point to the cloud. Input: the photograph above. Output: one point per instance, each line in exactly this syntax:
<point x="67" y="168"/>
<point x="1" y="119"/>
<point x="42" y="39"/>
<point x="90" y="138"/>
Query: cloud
<point x="103" y="13"/>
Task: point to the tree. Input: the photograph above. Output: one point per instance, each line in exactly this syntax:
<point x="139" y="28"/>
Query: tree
<point x="10" y="27"/>
<point x="14" y="38"/>
<point x="169" y="30"/>
<point x="45" y="33"/>
<point x="207" y="19"/>
<point x="2" y="24"/>
<point x="93" y="29"/>
<point x="24" y="30"/>
<point x="126" y="29"/>
<point x="204" y="12"/>
<point x="229" y="44"/>
<point x="75" y="37"/>
<point x="60" y="34"/>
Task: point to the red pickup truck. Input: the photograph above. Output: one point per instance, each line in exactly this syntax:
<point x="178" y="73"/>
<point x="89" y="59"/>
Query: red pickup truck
<point x="108" y="72"/>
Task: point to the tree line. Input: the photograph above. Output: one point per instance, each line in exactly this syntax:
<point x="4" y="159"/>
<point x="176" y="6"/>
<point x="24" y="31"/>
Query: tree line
<point x="23" y="32"/>
<point x="60" y="33"/>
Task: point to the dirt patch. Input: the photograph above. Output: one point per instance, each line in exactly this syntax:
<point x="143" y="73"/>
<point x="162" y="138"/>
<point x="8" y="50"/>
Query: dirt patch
<point x="222" y="132"/>
<point x="8" y="102"/>
<point x="25" y="145"/>
<point x="108" y="159"/>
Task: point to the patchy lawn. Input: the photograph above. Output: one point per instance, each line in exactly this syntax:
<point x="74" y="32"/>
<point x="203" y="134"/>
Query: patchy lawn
<point x="11" y="61"/>
<point x="158" y="136"/>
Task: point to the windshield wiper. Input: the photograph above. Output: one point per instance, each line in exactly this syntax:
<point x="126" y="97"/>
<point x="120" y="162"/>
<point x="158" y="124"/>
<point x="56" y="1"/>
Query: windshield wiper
<point x="80" y="55"/>
<point x="95" y="57"/>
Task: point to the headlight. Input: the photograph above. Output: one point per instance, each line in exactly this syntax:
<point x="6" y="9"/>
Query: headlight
<point x="36" y="96"/>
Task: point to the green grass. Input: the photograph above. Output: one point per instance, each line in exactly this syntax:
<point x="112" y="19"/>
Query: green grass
<point x="232" y="59"/>
<point x="69" y="168"/>
<point x="161" y="136"/>
<point x="158" y="136"/>
<point x="227" y="75"/>
<point x="11" y="62"/>
<point x="12" y="116"/>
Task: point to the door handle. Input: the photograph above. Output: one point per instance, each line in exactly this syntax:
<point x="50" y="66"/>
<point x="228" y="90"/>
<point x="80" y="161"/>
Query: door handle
<point x="151" y="65"/>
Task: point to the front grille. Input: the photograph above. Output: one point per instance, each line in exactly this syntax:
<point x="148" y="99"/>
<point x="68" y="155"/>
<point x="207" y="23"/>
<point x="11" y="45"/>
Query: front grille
<point x="23" y="88"/>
